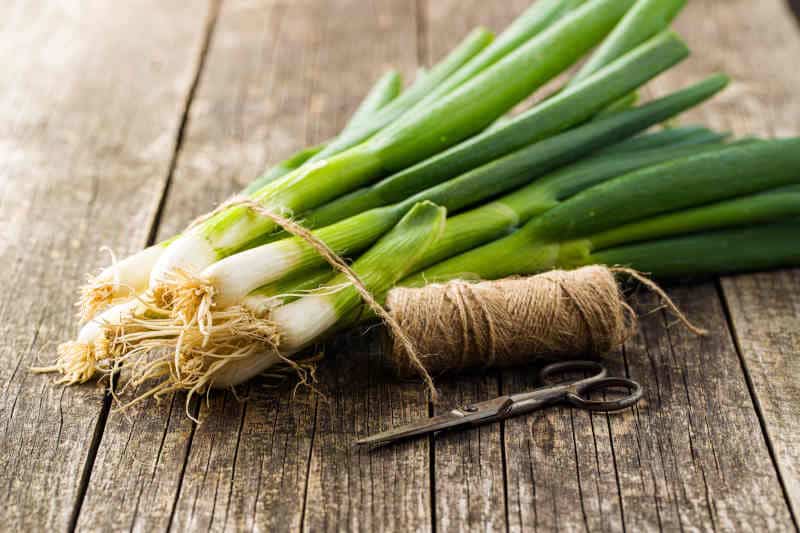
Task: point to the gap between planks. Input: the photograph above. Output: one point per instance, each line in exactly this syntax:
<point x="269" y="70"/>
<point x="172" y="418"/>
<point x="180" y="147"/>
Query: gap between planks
<point x="751" y="388"/>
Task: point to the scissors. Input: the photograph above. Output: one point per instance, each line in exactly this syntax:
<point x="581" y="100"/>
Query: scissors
<point x="573" y="392"/>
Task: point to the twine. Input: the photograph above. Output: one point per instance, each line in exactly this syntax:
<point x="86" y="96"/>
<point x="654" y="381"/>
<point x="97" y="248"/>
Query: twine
<point x="558" y="314"/>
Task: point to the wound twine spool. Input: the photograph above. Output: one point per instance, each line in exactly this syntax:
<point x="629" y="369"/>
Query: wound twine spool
<point x="558" y="314"/>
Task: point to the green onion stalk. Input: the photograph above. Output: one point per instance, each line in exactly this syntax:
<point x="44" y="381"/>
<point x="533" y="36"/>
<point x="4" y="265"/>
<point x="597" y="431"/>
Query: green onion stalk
<point x="645" y="19"/>
<point x="229" y="280"/>
<point x="677" y="136"/>
<point x="416" y="135"/>
<point x="545" y="190"/>
<point x="462" y="232"/>
<point x="76" y="358"/>
<point x="131" y="275"/>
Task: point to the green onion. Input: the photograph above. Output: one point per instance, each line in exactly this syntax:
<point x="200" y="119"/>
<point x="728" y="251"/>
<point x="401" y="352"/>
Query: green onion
<point x="774" y="204"/>
<point x="540" y="16"/>
<point x="236" y="276"/>
<point x="287" y="289"/>
<point x="645" y="19"/>
<point x="461" y="67"/>
<point x="388" y="88"/>
<point x="626" y="102"/>
<point x="679" y="136"/>
<point x="742" y="249"/>
<point x="706" y="177"/>
<point x="495" y="219"/>
<point x="760" y="246"/>
<point x="383" y="92"/>
<point x="485" y="223"/>
<point x="488" y="222"/>
<point x="476" y="41"/>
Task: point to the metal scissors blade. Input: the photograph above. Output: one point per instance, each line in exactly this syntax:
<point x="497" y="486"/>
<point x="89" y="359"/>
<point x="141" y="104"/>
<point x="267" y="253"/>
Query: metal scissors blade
<point x="469" y="415"/>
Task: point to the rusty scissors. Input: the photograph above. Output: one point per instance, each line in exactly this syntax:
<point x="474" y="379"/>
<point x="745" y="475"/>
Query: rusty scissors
<point x="574" y="392"/>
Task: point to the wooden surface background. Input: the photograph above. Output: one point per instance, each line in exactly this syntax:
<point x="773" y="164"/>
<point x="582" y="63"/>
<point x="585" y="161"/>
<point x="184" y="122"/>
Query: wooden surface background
<point x="120" y="121"/>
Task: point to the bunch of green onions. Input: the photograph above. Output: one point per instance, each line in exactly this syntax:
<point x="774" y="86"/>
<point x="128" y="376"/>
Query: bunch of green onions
<point x="434" y="183"/>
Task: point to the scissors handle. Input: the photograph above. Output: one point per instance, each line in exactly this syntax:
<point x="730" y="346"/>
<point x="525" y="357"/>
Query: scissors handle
<point x="576" y="392"/>
<point x="595" y="367"/>
<point x="580" y="397"/>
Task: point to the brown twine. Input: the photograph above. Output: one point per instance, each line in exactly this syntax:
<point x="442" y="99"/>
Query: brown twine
<point x="557" y="314"/>
<point x="401" y="338"/>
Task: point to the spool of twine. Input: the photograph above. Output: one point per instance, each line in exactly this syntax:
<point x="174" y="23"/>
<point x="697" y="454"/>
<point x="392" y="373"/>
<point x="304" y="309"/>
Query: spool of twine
<point x="558" y="314"/>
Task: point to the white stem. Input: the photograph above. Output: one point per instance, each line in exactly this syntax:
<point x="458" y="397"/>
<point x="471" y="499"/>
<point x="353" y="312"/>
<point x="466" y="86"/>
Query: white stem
<point x="304" y="321"/>
<point x="246" y="369"/>
<point x="132" y="273"/>
<point x="300" y="322"/>
<point x="191" y="252"/>
<point x="93" y="330"/>
<point x="237" y="276"/>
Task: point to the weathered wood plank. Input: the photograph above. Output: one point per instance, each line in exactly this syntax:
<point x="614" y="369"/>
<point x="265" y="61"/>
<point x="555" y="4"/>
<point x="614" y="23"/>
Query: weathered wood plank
<point x="468" y="470"/>
<point x="757" y="43"/>
<point x="357" y="489"/>
<point x="348" y="488"/>
<point x="92" y="100"/>
<point x="249" y="108"/>
<point x="678" y="461"/>
<point x="682" y="460"/>
<point x="560" y="468"/>
<point x="695" y="441"/>
<point x="764" y="310"/>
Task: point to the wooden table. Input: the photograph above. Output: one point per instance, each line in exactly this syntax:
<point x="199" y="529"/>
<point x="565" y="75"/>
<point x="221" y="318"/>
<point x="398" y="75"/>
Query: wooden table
<point x="122" y="120"/>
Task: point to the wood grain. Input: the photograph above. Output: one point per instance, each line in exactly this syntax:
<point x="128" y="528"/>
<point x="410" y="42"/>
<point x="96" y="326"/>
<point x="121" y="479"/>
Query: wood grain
<point x="763" y="308"/>
<point x="468" y="469"/>
<point x="233" y="131"/>
<point x="91" y="123"/>
<point x="677" y="462"/>
<point x="93" y="95"/>
<point x="353" y="488"/>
